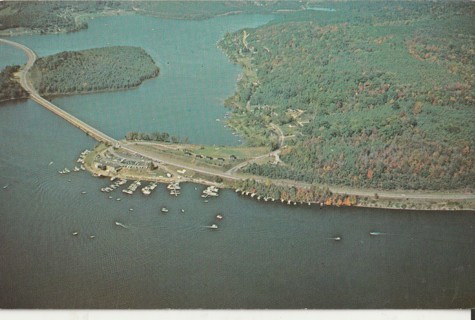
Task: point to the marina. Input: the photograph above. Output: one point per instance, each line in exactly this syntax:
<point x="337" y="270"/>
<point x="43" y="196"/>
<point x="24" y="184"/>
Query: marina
<point x="162" y="261"/>
<point x="210" y="191"/>
<point x="147" y="190"/>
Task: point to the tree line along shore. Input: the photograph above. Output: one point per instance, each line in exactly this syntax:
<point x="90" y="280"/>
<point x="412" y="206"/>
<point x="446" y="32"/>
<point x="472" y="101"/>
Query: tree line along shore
<point x="187" y="163"/>
<point x="371" y="95"/>
<point x="375" y="95"/>
<point x="85" y="71"/>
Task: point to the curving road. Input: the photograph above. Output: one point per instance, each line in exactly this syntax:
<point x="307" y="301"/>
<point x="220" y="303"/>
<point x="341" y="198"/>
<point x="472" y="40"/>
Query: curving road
<point x="35" y="96"/>
<point x="230" y="174"/>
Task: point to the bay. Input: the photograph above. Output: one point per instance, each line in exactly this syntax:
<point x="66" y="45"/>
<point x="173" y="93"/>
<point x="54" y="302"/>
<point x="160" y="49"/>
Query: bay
<point x="263" y="255"/>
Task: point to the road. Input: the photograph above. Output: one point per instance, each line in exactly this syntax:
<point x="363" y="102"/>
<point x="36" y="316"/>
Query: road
<point x="230" y="174"/>
<point x="35" y="96"/>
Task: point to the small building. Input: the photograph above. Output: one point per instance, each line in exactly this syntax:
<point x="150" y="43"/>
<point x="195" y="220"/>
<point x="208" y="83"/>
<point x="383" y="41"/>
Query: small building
<point x="100" y="166"/>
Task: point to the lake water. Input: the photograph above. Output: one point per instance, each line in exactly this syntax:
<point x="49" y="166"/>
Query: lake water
<point x="263" y="255"/>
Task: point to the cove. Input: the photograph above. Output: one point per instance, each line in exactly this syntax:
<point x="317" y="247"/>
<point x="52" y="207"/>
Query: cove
<point x="262" y="256"/>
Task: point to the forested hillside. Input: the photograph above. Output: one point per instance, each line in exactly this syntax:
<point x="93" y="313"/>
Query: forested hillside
<point x="377" y="94"/>
<point x="110" y="68"/>
<point x="9" y="88"/>
<point x="68" y="16"/>
<point x="42" y="16"/>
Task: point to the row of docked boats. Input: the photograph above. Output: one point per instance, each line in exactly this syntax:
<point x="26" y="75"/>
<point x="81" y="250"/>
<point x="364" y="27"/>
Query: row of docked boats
<point x="75" y="169"/>
<point x="82" y="156"/>
<point x="210" y="191"/>
<point x="148" y="189"/>
<point x="174" y="188"/>
<point x="131" y="189"/>
<point x="114" y="185"/>
<point x="80" y="160"/>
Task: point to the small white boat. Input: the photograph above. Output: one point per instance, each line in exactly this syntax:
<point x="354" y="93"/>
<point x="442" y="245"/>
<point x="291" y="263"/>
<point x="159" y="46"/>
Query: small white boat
<point x="117" y="223"/>
<point x="335" y="238"/>
<point x="165" y="210"/>
<point x="173" y="186"/>
<point x="92" y="237"/>
<point x="182" y="210"/>
<point x="76" y="169"/>
<point x="83" y="192"/>
<point x="75" y="233"/>
<point x="50" y="163"/>
<point x="118" y="199"/>
<point x="219" y="217"/>
<point x="376" y="233"/>
<point x="5" y="186"/>
<point x="213" y="226"/>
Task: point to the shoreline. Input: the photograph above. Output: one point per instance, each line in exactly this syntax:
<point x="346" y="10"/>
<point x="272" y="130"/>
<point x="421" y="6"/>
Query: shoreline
<point x="366" y="198"/>
<point x="337" y="196"/>
<point x="377" y="205"/>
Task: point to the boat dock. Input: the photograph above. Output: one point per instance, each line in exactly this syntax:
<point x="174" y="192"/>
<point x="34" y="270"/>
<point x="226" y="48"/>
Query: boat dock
<point x="210" y="191"/>
<point x="174" y="188"/>
<point x="131" y="189"/>
<point x="147" y="190"/>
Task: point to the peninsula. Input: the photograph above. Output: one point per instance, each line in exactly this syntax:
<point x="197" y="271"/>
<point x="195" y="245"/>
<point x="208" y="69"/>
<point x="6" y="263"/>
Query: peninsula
<point x="334" y="118"/>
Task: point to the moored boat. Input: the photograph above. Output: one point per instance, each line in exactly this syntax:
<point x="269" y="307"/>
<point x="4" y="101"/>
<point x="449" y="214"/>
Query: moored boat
<point x="174" y="192"/>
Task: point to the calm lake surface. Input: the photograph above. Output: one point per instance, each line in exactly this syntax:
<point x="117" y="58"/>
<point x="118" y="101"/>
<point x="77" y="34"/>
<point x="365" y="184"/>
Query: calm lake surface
<point x="263" y="255"/>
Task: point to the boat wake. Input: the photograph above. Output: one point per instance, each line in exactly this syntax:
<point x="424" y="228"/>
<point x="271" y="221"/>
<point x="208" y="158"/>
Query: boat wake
<point x="377" y="233"/>
<point x="121" y="225"/>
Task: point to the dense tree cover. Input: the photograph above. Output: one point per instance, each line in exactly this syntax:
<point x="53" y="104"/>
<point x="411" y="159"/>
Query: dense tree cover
<point x="199" y="9"/>
<point x="90" y="70"/>
<point x="10" y="89"/>
<point x="286" y="193"/>
<point x="154" y="136"/>
<point x="68" y="16"/>
<point x="386" y="91"/>
<point x="42" y="16"/>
